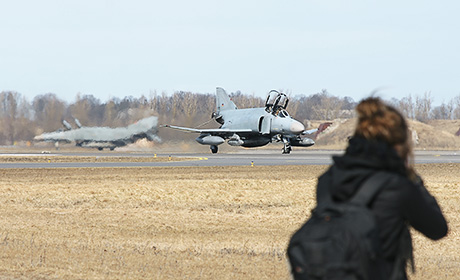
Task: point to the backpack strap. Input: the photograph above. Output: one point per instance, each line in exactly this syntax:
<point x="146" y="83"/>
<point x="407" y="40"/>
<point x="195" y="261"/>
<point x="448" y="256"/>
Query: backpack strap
<point x="363" y="196"/>
<point x="370" y="188"/>
<point x="323" y="195"/>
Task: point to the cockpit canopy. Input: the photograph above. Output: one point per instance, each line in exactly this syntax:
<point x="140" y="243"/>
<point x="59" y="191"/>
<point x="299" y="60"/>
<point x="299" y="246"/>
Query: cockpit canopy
<point x="283" y="114"/>
<point x="276" y="101"/>
<point x="272" y="95"/>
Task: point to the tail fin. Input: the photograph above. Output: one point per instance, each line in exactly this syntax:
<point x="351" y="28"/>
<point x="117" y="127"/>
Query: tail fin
<point x="66" y="125"/>
<point x="77" y="122"/>
<point x="223" y="102"/>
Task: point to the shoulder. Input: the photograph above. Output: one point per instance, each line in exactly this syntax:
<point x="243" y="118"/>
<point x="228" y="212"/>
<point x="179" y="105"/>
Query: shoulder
<point x="398" y="185"/>
<point x="395" y="193"/>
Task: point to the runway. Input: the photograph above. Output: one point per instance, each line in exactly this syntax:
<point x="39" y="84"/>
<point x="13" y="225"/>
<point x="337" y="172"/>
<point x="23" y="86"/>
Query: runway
<point x="243" y="158"/>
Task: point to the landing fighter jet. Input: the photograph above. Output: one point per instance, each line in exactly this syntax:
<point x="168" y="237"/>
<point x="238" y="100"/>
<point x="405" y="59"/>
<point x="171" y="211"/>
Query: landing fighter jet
<point x="254" y="127"/>
<point x="103" y="137"/>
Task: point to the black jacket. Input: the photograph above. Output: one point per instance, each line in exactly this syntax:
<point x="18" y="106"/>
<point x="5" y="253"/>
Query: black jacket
<point x="399" y="204"/>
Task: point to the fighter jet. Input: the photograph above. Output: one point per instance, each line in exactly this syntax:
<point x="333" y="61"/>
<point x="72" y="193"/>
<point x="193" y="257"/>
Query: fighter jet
<point x="254" y="127"/>
<point x="103" y="137"/>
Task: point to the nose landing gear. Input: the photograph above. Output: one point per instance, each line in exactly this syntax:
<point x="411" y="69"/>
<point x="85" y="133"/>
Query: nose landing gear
<point x="287" y="146"/>
<point x="287" y="149"/>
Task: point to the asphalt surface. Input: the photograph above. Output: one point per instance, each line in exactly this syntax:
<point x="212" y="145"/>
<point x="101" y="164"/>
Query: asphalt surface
<point x="243" y="158"/>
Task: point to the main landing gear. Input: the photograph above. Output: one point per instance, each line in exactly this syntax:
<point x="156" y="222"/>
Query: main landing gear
<point x="214" y="149"/>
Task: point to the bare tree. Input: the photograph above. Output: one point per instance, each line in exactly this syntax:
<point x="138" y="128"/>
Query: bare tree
<point x="456" y="109"/>
<point x="15" y="118"/>
<point x="324" y="106"/>
<point x="443" y="111"/>
<point x="110" y="113"/>
<point x="423" y="107"/>
<point x="406" y="106"/>
<point x="8" y="110"/>
<point x="25" y="128"/>
<point x="49" y="111"/>
<point x="88" y="110"/>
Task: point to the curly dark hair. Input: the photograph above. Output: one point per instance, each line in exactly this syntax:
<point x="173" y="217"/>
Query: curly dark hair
<point x="381" y="122"/>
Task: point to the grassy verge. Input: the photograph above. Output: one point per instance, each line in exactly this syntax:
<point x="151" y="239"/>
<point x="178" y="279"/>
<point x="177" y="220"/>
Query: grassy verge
<point x="169" y="223"/>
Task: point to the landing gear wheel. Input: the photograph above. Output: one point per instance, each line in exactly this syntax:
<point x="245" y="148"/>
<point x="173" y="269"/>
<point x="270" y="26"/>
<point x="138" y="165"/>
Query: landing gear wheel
<point x="287" y="146"/>
<point x="287" y="149"/>
<point x="214" y="149"/>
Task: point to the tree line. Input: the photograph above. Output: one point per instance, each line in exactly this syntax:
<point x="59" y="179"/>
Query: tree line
<point x="21" y="119"/>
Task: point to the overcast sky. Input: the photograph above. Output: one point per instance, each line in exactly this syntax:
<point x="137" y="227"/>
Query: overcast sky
<point x="122" y="48"/>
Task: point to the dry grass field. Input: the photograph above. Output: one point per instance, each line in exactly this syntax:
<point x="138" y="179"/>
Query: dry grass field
<point x="179" y="223"/>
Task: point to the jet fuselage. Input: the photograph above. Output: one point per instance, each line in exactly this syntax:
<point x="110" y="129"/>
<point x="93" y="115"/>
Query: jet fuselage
<point x="259" y="121"/>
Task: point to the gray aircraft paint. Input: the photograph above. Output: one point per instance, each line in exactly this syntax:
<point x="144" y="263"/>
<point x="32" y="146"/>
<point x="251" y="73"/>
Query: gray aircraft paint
<point x="250" y="118"/>
<point x="111" y="137"/>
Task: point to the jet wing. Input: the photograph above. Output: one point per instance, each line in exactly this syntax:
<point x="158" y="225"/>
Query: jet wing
<point x="213" y="131"/>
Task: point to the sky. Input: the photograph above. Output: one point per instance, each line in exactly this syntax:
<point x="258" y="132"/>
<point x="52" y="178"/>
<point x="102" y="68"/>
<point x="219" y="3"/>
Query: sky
<point x="133" y="48"/>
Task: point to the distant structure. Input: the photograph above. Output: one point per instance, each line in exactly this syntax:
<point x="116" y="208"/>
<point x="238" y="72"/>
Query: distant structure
<point x="415" y="138"/>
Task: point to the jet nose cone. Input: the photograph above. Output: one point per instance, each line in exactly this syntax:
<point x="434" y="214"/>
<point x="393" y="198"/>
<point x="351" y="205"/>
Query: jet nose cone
<point x="297" y="127"/>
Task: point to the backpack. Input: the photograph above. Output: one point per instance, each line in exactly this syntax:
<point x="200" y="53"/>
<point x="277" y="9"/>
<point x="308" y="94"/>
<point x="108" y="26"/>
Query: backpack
<point x="339" y="240"/>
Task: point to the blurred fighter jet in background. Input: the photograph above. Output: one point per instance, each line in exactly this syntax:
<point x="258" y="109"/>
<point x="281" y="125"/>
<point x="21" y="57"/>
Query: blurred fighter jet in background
<point x="103" y="137"/>
<point x="255" y="127"/>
